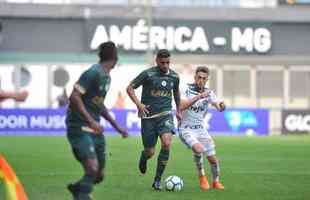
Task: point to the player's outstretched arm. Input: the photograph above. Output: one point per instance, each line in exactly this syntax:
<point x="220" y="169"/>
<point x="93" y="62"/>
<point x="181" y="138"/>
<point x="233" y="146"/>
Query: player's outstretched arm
<point x="76" y="100"/>
<point x="188" y="102"/>
<point x="105" y="113"/>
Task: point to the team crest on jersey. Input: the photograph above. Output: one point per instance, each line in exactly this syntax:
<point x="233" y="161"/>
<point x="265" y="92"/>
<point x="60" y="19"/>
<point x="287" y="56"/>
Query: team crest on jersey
<point x="171" y="84"/>
<point x="92" y="149"/>
<point x="164" y="83"/>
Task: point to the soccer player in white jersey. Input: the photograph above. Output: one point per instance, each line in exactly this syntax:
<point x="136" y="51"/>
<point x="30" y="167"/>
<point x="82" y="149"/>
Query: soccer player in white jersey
<point x="195" y="101"/>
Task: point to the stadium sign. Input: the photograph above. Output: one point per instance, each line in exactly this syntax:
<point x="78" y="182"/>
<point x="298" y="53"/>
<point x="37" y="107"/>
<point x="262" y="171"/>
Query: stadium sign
<point x="206" y="37"/>
<point x="52" y="122"/>
<point x="295" y="121"/>
<point x="139" y="37"/>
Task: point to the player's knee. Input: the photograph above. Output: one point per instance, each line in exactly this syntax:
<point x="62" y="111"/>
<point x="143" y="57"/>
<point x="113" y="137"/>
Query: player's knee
<point x="149" y="152"/>
<point x="212" y="159"/>
<point x="166" y="144"/>
<point x="198" y="149"/>
<point x="92" y="170"/>
<point x="99" y="177"/>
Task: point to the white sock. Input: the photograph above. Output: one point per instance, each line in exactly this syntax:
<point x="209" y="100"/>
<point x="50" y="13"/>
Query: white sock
<point x="198" y="159"/>
<point x="215" y="170"/>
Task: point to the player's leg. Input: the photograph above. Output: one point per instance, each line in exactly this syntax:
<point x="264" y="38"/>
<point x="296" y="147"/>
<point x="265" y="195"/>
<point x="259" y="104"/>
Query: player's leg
<point x="214" y="164"/>
<point x="198" y="150"/>
<point x="86" y="183"/>
<point x="101" y="155"/>
<point x="215" y="170"/>
<point x="189" y="138"/>
<point x="162" y="159"/>
<point x="149" y="140"/>
<point x="83" y="149"/>
<point x="165" y="129"/>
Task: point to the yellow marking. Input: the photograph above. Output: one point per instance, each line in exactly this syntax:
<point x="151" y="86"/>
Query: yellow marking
<point x="97" y="100"/>
<point x="87" y="129"/>
<point x="156" y="115"/>
<point x="160" y="93"/>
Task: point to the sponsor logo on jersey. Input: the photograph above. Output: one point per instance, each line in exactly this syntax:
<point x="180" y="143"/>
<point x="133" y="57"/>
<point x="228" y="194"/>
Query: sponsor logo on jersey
<point x="160" y="93"/>
<point x="197" y="109"/>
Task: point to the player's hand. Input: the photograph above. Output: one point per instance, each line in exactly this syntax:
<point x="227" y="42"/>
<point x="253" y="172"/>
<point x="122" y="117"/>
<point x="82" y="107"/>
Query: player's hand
<point x="143" y="111"/>
<point x="222" y="106"/>
<point x="21" y="96"/>
<point x="178" y="114"/>
<point x="94" y="125"/>
<point x="123" y="132"/>
<point x="204" y="94"/>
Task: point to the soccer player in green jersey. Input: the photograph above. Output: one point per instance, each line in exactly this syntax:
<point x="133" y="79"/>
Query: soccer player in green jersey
<point x="83" y="129"/>
<point x="159" y="84"/>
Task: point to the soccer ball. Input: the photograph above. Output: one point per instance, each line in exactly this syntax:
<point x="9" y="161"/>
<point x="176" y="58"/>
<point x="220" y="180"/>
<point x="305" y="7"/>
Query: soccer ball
<point x="173" y="183"/>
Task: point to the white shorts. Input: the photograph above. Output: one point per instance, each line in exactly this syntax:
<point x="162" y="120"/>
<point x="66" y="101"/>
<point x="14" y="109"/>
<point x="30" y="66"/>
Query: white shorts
<point x="198" y="136"/>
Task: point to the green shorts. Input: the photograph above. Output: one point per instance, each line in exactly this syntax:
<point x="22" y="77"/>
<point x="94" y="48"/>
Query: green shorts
<point x="87" y="145"/>
<point x="151" y="129"/>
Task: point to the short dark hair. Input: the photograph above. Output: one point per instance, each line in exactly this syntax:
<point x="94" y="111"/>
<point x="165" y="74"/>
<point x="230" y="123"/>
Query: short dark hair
<point x="163" y="53"/>
<point x="203" y="69"/>
<point x="107" y="51"/>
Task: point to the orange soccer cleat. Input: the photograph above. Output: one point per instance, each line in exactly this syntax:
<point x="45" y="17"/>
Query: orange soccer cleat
<point x="203" y="181"/>
<point x="217" y="185"/>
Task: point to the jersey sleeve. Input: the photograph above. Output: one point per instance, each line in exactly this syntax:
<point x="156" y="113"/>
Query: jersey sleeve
<point x="139" y="80"/>
<point x="176" y="84"/>
<point x="85" y="81"/>
<point x="212" y="97"/>
<point x="184" y="91"/>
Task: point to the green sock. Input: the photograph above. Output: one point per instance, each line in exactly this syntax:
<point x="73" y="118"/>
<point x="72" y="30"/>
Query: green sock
<point x="86" y="184"/>
<point x="162" y="160"/>
<point x="143" y="156"/>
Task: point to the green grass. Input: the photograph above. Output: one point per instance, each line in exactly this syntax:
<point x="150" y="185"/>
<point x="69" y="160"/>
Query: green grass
<point x="253" y="168"/>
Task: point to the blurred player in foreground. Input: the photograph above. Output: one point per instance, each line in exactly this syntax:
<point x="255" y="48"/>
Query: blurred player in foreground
<point x="155" y="107"/>
<point x="83" y="128"/>
<point x="192" y="131"/>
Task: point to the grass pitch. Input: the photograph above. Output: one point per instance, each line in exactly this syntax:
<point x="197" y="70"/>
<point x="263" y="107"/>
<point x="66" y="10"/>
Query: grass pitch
<point x="253" y="168"/>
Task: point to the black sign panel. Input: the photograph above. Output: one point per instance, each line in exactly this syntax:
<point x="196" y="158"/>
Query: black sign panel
<point x="28" y="35"/>
<point x="295" y="121"/>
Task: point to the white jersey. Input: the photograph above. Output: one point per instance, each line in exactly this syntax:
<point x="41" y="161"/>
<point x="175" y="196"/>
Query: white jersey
<point x="195" y="114"/>
<point x="192" y="129"/>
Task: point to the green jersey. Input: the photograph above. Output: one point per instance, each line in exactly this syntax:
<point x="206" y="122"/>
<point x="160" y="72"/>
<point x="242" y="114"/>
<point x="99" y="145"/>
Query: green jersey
<point x="157" y="88"/>
<point x="93" y="84"/>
